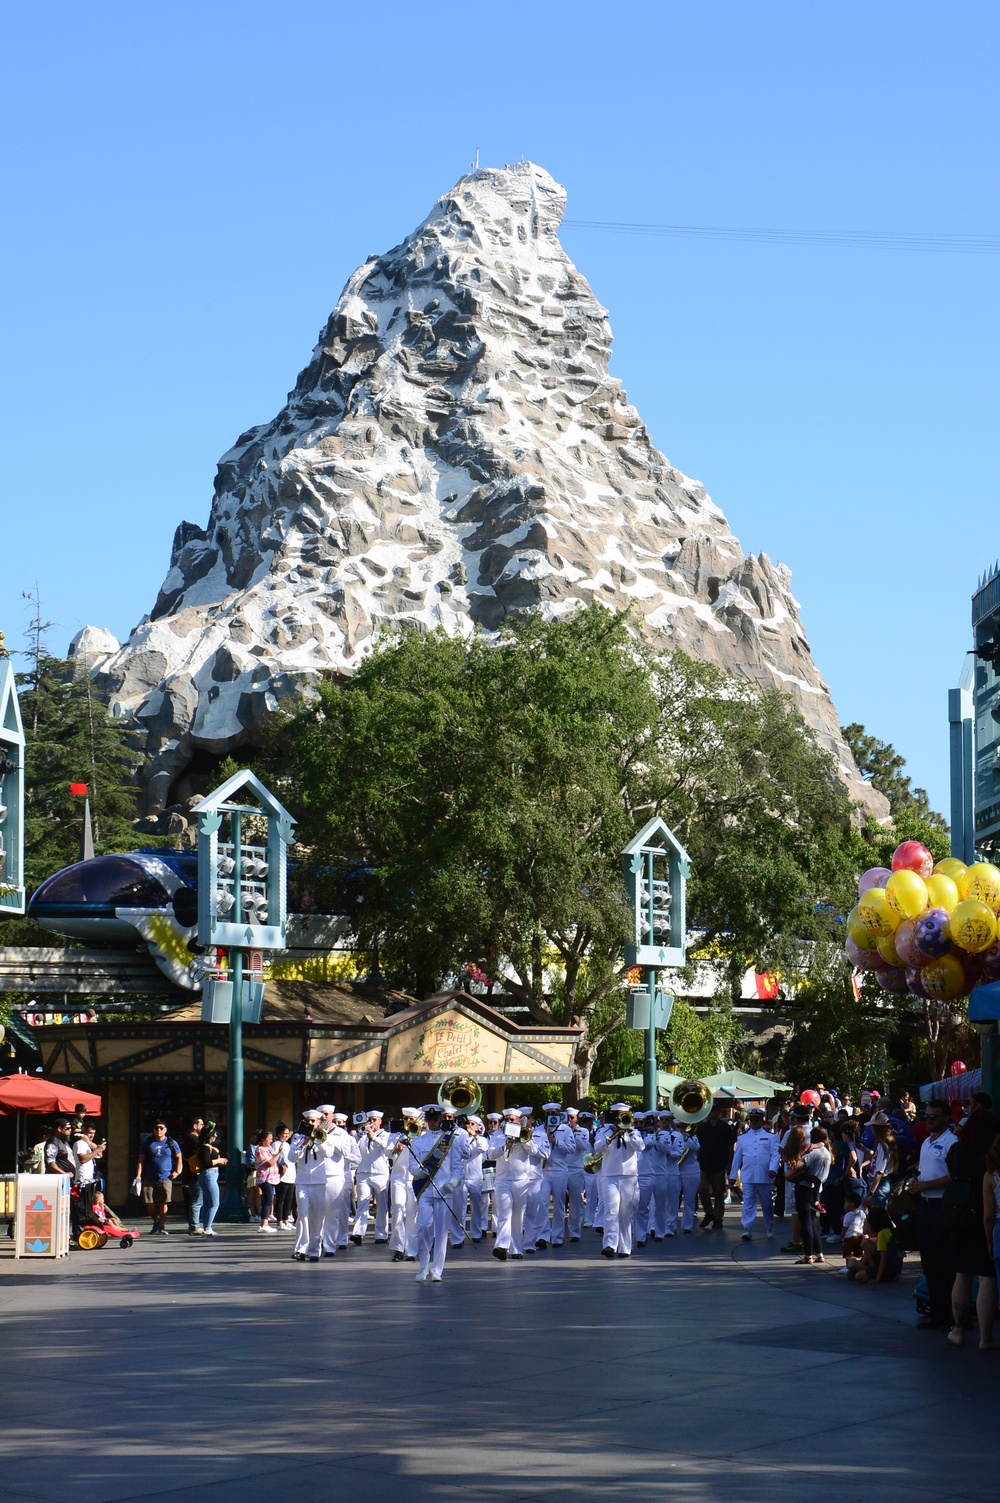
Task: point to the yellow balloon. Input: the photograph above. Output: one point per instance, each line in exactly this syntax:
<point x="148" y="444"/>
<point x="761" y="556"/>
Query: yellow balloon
<point x="951" y="867"/>
<point x="942" y="892"/>
<point x="973" y="926"/>
<point x="887" y="949"/>
<point x="874" y="912"/>
<point x="944" y="978"/>
<point x="982" y="882"/>
<point x="858" y="932"/>
<point x="907" y="894"/>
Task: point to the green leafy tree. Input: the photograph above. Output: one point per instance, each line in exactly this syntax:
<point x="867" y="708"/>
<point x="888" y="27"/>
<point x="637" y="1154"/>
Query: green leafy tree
<point x="470" y="801"/>
<point x="838" y="1036"/>
<point x="880" y="764"/>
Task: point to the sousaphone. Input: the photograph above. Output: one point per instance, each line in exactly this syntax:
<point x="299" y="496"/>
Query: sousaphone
<point x="690" y="1101"/>
<point x="462" y="1094"/>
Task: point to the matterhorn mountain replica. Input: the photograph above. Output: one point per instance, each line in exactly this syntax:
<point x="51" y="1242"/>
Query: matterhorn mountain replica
<point x="454" y="453"/>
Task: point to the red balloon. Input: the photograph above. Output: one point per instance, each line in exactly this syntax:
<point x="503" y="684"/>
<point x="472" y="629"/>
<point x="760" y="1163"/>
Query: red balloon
<point x="809" y="1098"/>
<point x="913" y="856"/>
<point x="958" y="1068"/>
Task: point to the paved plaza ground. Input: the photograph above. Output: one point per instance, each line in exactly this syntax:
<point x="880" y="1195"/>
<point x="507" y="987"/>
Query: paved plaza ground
<point x="700" y="1370"/>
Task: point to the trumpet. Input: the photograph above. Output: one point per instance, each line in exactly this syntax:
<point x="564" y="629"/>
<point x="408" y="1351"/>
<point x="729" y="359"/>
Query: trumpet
<point x="318" y="1135"/>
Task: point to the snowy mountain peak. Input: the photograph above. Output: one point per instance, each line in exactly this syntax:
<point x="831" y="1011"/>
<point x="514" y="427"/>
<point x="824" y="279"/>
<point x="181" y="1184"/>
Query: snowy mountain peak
<point x="454" y="452"/>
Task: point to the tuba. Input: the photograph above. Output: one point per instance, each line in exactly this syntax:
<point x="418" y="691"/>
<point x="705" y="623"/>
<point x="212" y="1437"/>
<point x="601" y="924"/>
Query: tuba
<point x="690" y="1101"/>
<point x="461" y="1093"/>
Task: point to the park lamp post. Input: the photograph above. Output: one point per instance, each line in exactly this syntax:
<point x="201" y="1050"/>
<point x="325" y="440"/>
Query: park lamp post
<point x="242" y="909"/>
<point x="656" y="872"/>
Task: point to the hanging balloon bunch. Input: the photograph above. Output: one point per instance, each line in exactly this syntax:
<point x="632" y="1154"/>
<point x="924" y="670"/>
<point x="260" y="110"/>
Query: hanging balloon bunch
<point x="930" y="930"/>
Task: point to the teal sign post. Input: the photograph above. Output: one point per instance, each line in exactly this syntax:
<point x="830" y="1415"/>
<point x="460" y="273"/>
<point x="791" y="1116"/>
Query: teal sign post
<point x="11" y="791"/>
<point x="656" y="873"/>
<point x="242" y="909"/>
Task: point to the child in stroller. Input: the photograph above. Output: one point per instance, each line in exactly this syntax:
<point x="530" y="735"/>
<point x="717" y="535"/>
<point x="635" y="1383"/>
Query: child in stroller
<point x="93" y="1221"/>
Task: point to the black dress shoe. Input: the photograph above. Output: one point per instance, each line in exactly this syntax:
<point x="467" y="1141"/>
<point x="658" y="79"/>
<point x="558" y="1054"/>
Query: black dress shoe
<point x="574" y="1239"/>
<point x="357" y="1241"/>
<point x="313" y="1260"/>
<point x="519" y="1256"/>
<point x="381" y="1241"/>
<point x="541" y="1244"/>
<point x="501" y="1253"/>
<point x="607" y="1252"/>
<point x="411" y="1257"/>
<point x="530" y="1250"/>
<point x="623" y="1255"/>
<point x="298" y="1257"/>
<point x="706" y="1221"/>
<point x="397" y="1257"/>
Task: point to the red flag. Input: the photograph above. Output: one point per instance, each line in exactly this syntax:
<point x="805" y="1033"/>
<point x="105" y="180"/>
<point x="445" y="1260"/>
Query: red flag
<point x="78" y="788"/>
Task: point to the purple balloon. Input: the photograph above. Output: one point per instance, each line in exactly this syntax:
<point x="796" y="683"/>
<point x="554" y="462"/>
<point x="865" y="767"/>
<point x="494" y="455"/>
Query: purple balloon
<point x="891" y="978"/>
<point x="906" y="945"/>
<point x="915" y="982"/>
<point x="933" y="934"/>
<point x="875" y="876"/>
<point x="862" y="960"/>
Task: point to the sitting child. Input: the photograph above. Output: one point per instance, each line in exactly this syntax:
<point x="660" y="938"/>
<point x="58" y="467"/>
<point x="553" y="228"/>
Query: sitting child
<point x="102" y="1212"/>
<point x="853" y="1235"/>
<point x="881" y="1260"/>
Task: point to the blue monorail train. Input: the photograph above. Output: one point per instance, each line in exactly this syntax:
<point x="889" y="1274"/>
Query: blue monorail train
<point x="149" y="894"/>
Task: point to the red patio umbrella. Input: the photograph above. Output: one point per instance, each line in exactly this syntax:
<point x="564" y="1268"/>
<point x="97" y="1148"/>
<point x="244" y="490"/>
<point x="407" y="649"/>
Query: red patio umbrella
<point x="31" y="1093"/>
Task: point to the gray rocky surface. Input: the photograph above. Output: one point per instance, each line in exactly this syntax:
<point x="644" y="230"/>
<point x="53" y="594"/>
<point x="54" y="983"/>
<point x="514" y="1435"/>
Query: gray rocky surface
<point x="455" y="452"/>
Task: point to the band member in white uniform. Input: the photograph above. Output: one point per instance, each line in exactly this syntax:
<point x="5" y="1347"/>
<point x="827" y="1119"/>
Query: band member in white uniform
<point x="470" y="1191"/>
<point x="673" y="1147"/>
<point x="494" y="1122"/>
<point x="536" y="1212"/>
<point x="402" y="1203"/>
<point x="342" y="1154"/>
<point x="620" y="1146"/>
<point x="562" y="1148"/>
<point x="755" y="1163"/>
<point x="374" y="1146"/>
<point x="517" y="1152"/>
<point x="690" y="1172"/>
<point x="309" y="1155"/>
<point x="575" y="1175"/>
<point x="438" y="1167"/>
<point x="650" y="1161"/>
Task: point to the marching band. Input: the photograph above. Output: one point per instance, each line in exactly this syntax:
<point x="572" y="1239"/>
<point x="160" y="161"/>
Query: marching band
<point x="441" y="1174"/>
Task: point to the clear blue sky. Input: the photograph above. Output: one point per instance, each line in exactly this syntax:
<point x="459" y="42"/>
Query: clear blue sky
<point x="188" y="186"/>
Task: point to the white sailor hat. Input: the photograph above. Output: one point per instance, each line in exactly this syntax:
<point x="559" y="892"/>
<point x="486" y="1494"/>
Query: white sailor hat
<point x="619" y="1106"/>
<point x="374" y="1113"/>
<point x="431" y="1106"/>
<point x="512" y="1111"/>
<point x="493" y="1116"/>
<point x="552" y="1106"/>
<point x="525" y="1111"/>
<point x="663" y="1112"/>
<point x="411" y="1111"/>
<point x="572" y="1111"/>
<point x="340" y="1116"/>
<point x="313" y="1114"/>
<point x="477" y="1120"/>
<point x="756" y="1111"/>
<point x="324" y="1109"/>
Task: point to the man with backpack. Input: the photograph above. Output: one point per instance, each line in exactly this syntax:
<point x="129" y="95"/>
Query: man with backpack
<point x="159" y="1165"/>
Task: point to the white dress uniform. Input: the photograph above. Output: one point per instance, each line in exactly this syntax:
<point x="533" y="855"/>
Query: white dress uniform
<point x="673" y="1147"/>
<point x="373" y="1179"/>
<point x="402" y="1202"/>
<point x="563" y="1151"/>
<point x="434" y="1213"/>
<point x="576" y="1178"/>
<point x="690" y="1172"/>
<point x="755" y="1161"/>
<point x="620" y="1152"/>
<point x="310" y="1160"/>
<point x="342" y="1155"/>
<point x="536" y="1212"/>
<point x="650" y="1161"/>
<point x="516" y="1165"/>
<point x="470" y="1191"/>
